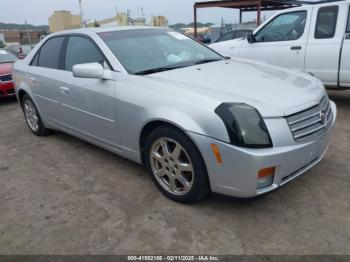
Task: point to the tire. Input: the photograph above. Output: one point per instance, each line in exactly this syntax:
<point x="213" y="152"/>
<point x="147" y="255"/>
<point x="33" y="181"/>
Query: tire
<point x="176" y="166"/>
<point x="32" y="117"/>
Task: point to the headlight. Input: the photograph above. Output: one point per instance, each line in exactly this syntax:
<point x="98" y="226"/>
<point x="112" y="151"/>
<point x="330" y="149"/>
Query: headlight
<point x="244" y="125"/>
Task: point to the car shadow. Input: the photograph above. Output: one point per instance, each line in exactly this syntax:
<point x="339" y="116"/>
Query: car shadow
<point x="212" y="200"/>
<point x="340" y="97"/>
<point x="8" y="100"/>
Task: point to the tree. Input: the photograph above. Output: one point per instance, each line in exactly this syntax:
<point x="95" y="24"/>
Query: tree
<point x="96" y="24"/>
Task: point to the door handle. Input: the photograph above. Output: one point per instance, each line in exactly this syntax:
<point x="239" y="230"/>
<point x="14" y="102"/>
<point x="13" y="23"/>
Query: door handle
<point x="64" y="90"/>
<point x="32" y="80"/>
<point x="295" y="48"/>
<point x="347" y="37"/>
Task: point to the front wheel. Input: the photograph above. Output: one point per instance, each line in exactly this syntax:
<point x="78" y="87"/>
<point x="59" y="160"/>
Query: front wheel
<point x="176" y="166"/>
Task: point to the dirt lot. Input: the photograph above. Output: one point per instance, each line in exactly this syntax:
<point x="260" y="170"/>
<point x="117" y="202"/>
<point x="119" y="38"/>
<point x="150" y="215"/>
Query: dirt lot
<point x="59" y="195"/>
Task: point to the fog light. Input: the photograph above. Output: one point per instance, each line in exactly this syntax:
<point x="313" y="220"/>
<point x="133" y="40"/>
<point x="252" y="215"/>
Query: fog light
<point x="265" y="177"/>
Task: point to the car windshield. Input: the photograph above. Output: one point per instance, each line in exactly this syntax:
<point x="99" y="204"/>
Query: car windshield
<point x="6" y="57"/>
<point x="146" y="51"/>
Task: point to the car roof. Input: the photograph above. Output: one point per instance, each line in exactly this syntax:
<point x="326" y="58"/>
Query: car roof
<point x="105" y="29"/>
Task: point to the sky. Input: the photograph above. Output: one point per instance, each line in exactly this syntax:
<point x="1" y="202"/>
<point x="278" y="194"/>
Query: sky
<point x="36" y="12"/>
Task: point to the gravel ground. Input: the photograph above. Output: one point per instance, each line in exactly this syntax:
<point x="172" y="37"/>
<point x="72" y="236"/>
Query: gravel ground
<point x="59" y="195"/>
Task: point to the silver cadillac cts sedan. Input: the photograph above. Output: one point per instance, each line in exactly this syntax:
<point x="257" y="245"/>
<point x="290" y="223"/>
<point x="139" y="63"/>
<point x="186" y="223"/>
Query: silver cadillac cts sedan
<point x="198" y="121"/>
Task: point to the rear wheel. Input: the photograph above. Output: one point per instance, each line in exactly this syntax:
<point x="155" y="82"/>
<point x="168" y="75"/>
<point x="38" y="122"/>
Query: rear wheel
<point x="176" y="166"/>
<point x="33" y="118"/>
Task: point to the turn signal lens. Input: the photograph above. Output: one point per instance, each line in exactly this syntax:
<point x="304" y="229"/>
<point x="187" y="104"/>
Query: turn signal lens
<point x="265" y="177"/>
<point x="266" y="172"/>
<point x="217" y="154"/>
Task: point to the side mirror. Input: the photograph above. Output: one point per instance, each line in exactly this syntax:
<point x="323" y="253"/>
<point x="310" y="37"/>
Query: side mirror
<point x="251" y="38"/>
<point x="90" y="70"/>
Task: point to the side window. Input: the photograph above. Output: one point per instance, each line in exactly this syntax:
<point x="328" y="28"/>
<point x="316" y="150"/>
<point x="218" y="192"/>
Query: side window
<point x="81" y="50"/>
<point x="326" y="22"/>
<point x="226" y="36"/>
<point x="50" y="53"/>
<point x="241" y="33"/>
<point x="285" y="27"/>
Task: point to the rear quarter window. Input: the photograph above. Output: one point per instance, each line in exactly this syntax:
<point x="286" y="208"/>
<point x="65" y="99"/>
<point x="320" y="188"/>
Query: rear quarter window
<point x="49" y="55"/>
<point x="326" y="22"/>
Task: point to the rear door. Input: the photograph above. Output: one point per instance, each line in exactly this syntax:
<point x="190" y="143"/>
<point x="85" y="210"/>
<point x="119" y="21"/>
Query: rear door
<point x="282" y="41"/>
<point x="326" y="36"/>
<point x="88" y="105"/>
<point x="344" y="76"/>
<point x="42" y="75"/>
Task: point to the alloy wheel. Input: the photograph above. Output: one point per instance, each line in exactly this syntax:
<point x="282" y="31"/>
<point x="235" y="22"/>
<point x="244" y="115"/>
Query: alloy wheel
<point x="31" y="115"/>
<point x="172" y="166"/>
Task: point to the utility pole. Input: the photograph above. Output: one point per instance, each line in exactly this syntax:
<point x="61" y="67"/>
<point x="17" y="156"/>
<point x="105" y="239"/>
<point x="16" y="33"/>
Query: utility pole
<point x="81" y="13"/>
<point x="28" y="34"/>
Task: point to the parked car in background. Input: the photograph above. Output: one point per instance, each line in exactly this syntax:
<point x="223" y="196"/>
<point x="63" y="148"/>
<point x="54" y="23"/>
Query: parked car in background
<point x="149" y="94"/>
<point x="7" y="60"/>
<point x="24" y="51"/>
<point x="234" y="34"/>
<point x="311" y="38"/>
<point x="21" y="51"/>
<point x="27" y="48"/>
<point x="205" y="39"/>
<point x="13" y="47"/>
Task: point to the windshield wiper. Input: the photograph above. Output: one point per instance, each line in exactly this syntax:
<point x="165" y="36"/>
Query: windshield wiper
<point x="157" y="70"/>
<point x="204" y="61"/>
<point x="167" y="68"/>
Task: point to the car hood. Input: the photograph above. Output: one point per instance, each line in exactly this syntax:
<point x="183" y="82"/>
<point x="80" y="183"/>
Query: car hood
<point x="6" y="68"/>
<point x="271" y="90"/>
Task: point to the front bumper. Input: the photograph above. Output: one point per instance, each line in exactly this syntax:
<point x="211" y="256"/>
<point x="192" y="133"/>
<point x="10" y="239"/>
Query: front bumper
<point x="7" y="89"/>
<point x="237" y="175"/>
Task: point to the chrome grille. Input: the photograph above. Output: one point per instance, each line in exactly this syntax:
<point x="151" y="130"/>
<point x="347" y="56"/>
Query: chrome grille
<point x="5" y="78"/>
<point x="312" y="122"/>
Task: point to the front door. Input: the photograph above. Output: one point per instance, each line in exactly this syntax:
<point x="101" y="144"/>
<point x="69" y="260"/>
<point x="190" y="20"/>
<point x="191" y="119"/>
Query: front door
<point x="344" y="77"/>
<point x="88" y="105"/>
<point x="281" y="42"/>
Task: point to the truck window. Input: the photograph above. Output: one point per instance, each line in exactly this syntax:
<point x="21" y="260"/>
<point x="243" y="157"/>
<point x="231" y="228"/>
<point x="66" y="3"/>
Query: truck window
<point x="326" y="22"/>
<point x="226" y="36"/>
<point x="242" y="33"/>
<point x="285" y="27"/>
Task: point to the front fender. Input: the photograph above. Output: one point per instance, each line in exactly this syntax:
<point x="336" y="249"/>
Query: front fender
<point x="203" y="123"/>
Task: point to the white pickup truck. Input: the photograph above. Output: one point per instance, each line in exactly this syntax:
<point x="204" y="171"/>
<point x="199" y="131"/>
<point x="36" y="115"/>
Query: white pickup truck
<point x="314" y="38"/>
